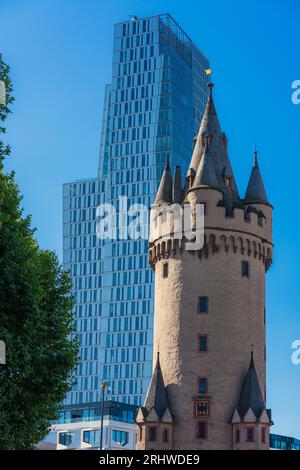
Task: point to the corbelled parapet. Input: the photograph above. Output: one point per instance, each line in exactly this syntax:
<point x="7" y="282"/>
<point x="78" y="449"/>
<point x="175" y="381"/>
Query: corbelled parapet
<point x="230" y="223"/>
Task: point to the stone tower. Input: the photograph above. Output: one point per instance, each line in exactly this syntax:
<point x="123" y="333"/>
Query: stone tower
<point x="208" y="389"/>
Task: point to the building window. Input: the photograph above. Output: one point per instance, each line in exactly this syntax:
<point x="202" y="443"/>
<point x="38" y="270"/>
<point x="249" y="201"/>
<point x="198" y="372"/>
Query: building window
<point x="202" y="408"/>
<point x="250" y="434"/>
<point x="120" y="437"/>
<point x="263" y="435"/>
<point x="245" y="269"/>
<point x="237" y="436"/>
<point x="202" y="343"/>
<point x="91" y="437"/>
<point x="165" y="270"/>
<point x="202" y="430"/>
<point x="203" y="305"/>
<point x="152" y="433"/>
<point x="66" y="438"/>
<point x="202" y="385"/>
<point x="141" y="433"/>
<point x="165" y="436"/>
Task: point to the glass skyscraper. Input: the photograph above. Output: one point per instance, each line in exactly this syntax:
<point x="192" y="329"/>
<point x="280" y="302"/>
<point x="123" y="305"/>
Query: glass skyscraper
<point x="152" y="108"/>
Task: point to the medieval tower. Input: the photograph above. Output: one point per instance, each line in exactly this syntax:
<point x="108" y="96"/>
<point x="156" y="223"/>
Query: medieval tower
<point x="208" y="388"/>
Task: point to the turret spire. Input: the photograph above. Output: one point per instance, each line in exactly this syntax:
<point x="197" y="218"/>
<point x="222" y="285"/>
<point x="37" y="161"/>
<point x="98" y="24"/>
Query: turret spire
<point x="164" y="192"/>
<point x="206" y="173"/>
<point x="211" y="137"/>
<point x="209" y="126"/>
<point x="256" y="190"/>
<point x="157" y="396"/>
<point x="251" y="395"/>
<point x="177" y="189"/>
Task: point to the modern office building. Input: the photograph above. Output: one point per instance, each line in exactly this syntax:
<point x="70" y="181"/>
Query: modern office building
<point x="278" y="442"/>
<point x="153" y="107"/>
<point x="79" y="427"/>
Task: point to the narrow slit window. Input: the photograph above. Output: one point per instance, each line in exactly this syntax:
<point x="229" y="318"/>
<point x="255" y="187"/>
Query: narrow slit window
<point x="202" y="385"/>
<point x="245" y="269"/>
<point x="202" y="343"/>
<point x="165" y="270"/>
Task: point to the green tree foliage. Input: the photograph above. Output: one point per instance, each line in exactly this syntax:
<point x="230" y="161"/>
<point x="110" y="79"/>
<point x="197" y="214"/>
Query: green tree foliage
<point x="35" y="318"/>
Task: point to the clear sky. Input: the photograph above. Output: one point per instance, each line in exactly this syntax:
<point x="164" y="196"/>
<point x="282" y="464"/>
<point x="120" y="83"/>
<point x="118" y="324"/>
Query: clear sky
<point x="60" y="55"/>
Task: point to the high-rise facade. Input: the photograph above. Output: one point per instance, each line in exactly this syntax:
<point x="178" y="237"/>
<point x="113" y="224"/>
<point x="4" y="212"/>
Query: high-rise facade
<point x="152" y="108"/>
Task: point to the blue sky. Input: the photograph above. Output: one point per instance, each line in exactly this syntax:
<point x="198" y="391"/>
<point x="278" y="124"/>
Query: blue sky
<point x="60" y="55"/>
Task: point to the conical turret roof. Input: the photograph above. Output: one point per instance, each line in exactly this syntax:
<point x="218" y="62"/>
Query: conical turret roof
<point x="256" y="190"/>
<point x="177" y="189"/>
<point x="206" y="173"/>
<point x="157" y="396"/>
<point x="210" y="133"/>
<point x="164" y="192"/>
<point x="251" y="395"/>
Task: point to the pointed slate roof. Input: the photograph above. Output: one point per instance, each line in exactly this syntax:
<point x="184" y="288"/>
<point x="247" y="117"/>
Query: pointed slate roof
<point x="206" y="173"/>
<point x="256" y="190"/>
<point x="164" y="192"/>
<point x="157" y="396"/>
<point x="209" y="125"/>
<point x="177" y="190"/>
<point x="210" y="133"/>
<point x="251" y="395"/>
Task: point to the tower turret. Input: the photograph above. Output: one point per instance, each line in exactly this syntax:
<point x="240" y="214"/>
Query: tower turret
<point x="251" y="420"/>
<point x="177" y="189"/>
<point x="155" y="418"/>
<point x="256" y="190"/>
<point x="210" y="300"/>
<point x="165" y="189"/>
<point x="206" y="173"/>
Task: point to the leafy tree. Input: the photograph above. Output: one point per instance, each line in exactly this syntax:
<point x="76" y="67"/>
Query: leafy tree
<point x="35" y="317"/>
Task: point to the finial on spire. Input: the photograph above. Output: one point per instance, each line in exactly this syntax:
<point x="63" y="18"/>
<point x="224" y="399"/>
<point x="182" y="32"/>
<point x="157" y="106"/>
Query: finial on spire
<point x="210" y="86"/>
<point x="255" y="156"/>
<point x="252" y="348"/>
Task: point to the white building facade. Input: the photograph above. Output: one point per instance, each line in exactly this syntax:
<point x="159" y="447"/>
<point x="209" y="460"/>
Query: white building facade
<point x="79" y="427"/>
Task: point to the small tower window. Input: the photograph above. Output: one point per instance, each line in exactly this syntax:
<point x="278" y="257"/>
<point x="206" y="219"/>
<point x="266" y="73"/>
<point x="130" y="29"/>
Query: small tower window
<point x="152" y="433"/>
<point x="263" y="435"/>
<point x="202" y="343"/>
<point x="202" y="385"/>
<point x="250" y="434"/>
<point x="165" y="270"/>
<point x="202" y="430"/>
<point x="165" y="436"/>
<point x="237" y="436"/>
<point x="203" y="305"/>
<point x="245" y="269"/>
